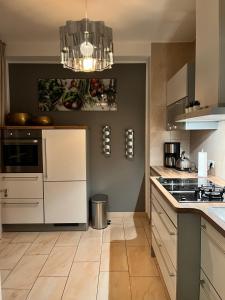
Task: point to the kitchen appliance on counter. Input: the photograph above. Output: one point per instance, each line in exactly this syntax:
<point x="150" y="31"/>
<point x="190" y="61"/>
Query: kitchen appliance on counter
<point x="183" y="163"/>
<point x="199" y="190"/>
<point x="21" y="151"/>
<point x="171" y="154"/>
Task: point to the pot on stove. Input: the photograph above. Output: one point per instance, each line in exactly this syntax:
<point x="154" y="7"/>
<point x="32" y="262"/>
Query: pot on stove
<point x="183" y="163"/>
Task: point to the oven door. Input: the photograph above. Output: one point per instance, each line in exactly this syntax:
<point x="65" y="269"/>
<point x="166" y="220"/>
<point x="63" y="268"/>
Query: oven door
<point x="22" y="156"/>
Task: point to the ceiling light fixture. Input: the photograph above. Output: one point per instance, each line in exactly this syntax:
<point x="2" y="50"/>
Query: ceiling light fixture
<point x="86" y="46"/>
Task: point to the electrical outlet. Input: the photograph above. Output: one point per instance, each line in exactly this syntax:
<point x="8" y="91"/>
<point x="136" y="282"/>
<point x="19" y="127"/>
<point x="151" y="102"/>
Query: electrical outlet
<point x="211" y="164"/>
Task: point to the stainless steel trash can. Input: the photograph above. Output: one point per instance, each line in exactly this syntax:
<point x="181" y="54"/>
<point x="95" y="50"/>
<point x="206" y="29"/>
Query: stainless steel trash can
<point x="99" y="205"/>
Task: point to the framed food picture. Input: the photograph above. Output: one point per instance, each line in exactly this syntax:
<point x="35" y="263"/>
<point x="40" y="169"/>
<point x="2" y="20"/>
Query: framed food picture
<point x="77" y="94"/>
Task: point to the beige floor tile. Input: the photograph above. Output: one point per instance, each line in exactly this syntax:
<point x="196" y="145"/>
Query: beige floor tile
<point x="25" y="237"/>
<point x="3" y="245"/>
<point x="113" y="233"/>
<point x="89" y="249"/>
<point x="135" y="236"/>
<point x="25" y="273"/>
<point x="133" y="221"/>
<point x="145" y="221"/>
<point x="44" y="243"/>
<point x="92" y="233"/>
<point x="82" y="282"/>
<point x="147" y="288"/>
<point x="8" y="236"/>
<point x="59" y="262"/>
<point x="14" y="294"/>
<point x="69" y="238"/>
<point x="113" y="257"/>
<point x="148" y="233"/>
<point x="4" y="275"/>
<point x="11" y="254"/>
<point x="140" y="262"/>
<point x="114" y="286"/>
<point x="116" y="220"/>
<point x="48" y="288"/>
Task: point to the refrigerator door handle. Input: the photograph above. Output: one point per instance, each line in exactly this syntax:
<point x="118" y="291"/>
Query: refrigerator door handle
<point x="45" y="159"/>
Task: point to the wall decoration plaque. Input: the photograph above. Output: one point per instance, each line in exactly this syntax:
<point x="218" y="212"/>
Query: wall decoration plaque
<point x="77" y="94"/>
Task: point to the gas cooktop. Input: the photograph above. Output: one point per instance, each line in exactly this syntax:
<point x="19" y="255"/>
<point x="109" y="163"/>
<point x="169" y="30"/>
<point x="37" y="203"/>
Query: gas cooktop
<point x="193" y="189"/>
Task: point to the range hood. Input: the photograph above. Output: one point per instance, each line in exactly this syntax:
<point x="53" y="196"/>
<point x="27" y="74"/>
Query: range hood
<point x="210" y="62"/>
<point x="207" y="114"/>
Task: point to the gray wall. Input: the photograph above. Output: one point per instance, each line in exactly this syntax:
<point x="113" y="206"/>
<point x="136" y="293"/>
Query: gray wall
<point x="121" y="179"/>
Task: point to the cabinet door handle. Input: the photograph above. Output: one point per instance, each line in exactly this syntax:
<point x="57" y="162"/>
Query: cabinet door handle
<point x="160" y="213"/>
<point x="18" y="178"/>
<point x="20" y="203"/>
<point x="171" y="273"/>
<point x="167" y="228"/>
<point x="202" y="282"/>
<point x="45" y="158"/>
<point x="215" y="242"/>
<point x="207" y="291"/>
<point x="5" y="191"/>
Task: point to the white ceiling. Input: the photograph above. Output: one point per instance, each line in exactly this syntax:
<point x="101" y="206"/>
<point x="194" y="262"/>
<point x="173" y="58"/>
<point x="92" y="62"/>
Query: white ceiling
<point x="35" y="21"/>
<point x="28" y="24"/>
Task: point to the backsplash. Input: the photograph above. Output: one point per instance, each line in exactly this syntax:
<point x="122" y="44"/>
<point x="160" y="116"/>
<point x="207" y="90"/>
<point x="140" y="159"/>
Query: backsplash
<point x="166" y="60"/>
<point x="213" y="142"/>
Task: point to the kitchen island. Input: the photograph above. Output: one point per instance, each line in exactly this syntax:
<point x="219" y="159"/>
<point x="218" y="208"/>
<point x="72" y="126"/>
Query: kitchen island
<point x="188" y="240"/>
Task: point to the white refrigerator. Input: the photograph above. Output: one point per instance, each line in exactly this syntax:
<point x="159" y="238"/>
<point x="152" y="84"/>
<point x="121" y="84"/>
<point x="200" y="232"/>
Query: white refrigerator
<point x="65" y="175"/>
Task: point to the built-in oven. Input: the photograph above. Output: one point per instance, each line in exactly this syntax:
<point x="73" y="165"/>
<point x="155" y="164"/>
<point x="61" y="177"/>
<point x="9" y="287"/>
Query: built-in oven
<point x="21" y="151"/>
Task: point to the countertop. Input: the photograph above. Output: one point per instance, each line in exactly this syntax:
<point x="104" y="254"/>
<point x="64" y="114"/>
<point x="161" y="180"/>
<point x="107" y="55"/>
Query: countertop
<point x="200" y="208"/>
<point x="45" y="127"/>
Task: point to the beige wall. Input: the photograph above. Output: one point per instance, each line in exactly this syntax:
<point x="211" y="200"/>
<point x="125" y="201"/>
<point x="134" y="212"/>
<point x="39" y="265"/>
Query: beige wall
<point x="166" y="60"/>
<point x="213" y="142"/>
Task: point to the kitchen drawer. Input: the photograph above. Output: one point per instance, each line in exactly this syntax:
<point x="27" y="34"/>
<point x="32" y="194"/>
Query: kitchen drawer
<point x="166" y="230"/>
<point x="207" y="291"/>
<point x="65" y="202"/>
<point x="213" y="256"/>
<point x="22" y="185"/>
<point x="26" y="211"/>
<point x="167" y="208"/>
<point x="165" y="265"/>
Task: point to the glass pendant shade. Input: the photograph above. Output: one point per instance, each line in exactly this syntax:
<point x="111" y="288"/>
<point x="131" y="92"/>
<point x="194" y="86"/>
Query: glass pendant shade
<point x="86" y="46"/>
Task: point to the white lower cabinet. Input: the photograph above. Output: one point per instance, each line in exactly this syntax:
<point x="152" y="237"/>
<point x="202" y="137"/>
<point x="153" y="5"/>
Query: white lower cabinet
<point x="65" y="202"/>
<point x="22" y="185"/>
<point x="22" y="198"/>
<point x="164" y="240"/>
<point x="22" y="211"/>
<point x="207" y="291"/>
<point x="213" y="259"/>
<point x="167" y="269"/>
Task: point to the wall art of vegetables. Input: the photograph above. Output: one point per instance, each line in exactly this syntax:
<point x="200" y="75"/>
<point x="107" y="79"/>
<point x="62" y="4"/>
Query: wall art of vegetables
<point x="77" y="95"/>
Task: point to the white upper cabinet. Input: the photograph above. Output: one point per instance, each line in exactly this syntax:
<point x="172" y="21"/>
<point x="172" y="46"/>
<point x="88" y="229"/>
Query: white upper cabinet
<point x="177" y="86"/>
<point x="64" y="152"/>
<point x="208" y="41"/>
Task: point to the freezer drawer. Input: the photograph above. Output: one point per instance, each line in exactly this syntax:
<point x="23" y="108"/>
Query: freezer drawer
<point x="65" y="202"/>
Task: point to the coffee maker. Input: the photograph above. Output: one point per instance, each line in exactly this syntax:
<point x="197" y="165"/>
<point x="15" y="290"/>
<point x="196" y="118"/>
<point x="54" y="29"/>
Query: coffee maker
<point x="171" y="154"/>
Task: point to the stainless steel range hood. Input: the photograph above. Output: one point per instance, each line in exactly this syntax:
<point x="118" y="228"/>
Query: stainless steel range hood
<point x="210" y="62"/>
<point x="208" y="114"/>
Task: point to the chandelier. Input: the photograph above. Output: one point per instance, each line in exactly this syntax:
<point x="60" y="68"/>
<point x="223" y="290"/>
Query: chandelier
<point x="86" y="46"/>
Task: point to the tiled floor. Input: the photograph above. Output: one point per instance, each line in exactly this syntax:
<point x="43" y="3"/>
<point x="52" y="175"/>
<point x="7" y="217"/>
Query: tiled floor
<point x="111" y="264"/>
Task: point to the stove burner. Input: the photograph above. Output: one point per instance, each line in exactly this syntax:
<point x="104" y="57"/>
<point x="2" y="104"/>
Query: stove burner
<point x="193" y="189"/>
<point x="211" y="192"/>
